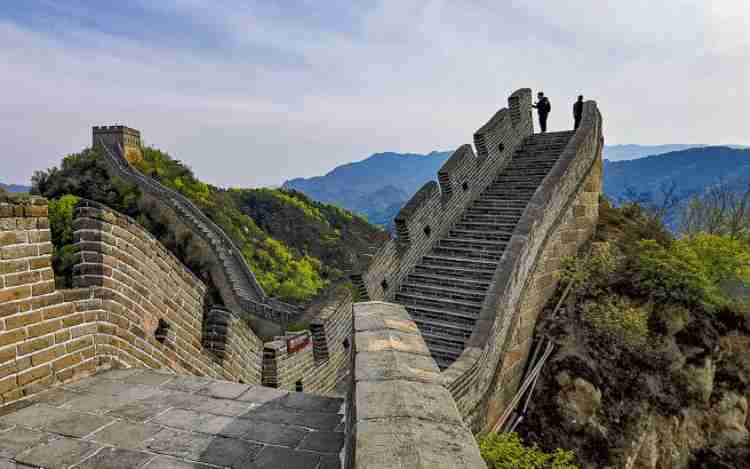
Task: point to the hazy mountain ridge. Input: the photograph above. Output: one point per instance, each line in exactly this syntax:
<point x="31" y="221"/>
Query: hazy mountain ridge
<point x="378" y="186"/>
<point x="15" y="187"/>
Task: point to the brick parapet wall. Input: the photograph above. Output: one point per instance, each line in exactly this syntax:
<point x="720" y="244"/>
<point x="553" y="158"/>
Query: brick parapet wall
<point x="569" y="190"/>
<point x="436" y="207"/>
<point x="135" y="305"/>
<point x="399" y="413"/>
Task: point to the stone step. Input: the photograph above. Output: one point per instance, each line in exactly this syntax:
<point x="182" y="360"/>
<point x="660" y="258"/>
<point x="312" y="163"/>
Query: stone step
<point x="452" y="316"/>
<point x="449" y="342"/>
<point x="413" y="299"/>
<point x="468" y="252"/>
<point x="496" y="215"/>
<point x="450" y="328"/>
<point x="453" y="271"/>
<point x="443" y="355"/>
<point x="479" y="244"/>
<point x="459" y="262"/>
<point x="487" y="222"/>
<point x="446" y="281"/>
<point x="454" y="293"/>
<point x="480" y="235"/>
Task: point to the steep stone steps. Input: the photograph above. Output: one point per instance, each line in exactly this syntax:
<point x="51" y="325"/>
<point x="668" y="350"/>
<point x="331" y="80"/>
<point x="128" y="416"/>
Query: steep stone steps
<point x="443" y="281"/>
<point x="455" y="293"/>
<point x="444" y="293"/>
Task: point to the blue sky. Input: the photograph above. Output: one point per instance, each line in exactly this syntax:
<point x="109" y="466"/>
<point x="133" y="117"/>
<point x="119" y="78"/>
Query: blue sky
<point x="253" y="93"/>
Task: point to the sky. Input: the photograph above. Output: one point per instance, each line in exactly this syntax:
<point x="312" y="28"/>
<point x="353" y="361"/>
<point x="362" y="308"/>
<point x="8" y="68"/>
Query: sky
<point x="253" y="93"/>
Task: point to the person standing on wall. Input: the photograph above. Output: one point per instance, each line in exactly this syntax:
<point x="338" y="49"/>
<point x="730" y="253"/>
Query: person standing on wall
<point x="543" y="107"/>
<point x="577" y="112"/>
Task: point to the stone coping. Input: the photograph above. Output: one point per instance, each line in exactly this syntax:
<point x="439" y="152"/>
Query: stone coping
<point x="403" y="414"/>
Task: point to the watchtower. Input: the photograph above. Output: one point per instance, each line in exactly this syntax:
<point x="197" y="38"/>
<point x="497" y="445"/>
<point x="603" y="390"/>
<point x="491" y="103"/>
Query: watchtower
<point x="120" y="135"/>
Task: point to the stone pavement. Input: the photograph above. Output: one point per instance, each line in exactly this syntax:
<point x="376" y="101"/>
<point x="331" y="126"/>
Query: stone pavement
<point x="126" y="419"/>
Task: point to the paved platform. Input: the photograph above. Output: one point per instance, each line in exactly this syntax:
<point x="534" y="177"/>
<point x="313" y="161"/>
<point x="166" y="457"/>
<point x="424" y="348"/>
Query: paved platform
<point x="144" y="419"/>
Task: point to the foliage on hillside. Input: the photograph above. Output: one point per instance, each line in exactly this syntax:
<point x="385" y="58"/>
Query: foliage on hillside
<point x="505" y="450"/>
<point x="295" y="247"/>
<point x="644" y="340"/>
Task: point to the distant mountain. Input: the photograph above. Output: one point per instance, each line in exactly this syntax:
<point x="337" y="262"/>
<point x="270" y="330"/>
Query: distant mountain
<point x="376" y="187"/>
<point x="632" y="152"/>
<point x="14" y="187"/>
<point x="380" y="185"/>
<point x="691" y="170"/>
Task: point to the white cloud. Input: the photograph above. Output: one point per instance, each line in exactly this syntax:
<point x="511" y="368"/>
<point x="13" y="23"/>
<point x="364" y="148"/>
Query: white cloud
<point x="282" y="93"/>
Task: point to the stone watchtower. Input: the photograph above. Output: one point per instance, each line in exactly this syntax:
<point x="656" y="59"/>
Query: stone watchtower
<point x="116" y="135"/>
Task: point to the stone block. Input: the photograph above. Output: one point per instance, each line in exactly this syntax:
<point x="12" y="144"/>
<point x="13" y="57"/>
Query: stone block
<point x="397" y="443"/>
<point x="58" y="454"/>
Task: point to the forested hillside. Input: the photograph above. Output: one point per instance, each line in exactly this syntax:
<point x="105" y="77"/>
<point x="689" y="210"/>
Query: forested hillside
<point x="295" y="246"/>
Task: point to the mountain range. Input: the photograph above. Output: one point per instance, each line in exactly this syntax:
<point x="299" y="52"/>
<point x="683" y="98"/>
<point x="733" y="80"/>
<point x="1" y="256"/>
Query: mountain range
<point x="378" y="186"/>
<point x="14" y="187"/>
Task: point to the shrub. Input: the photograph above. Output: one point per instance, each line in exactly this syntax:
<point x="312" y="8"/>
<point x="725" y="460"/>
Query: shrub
<point x="591" y="274"/>
<point x="619" y="316"/>
<point x="690" y="270"/>
<point x="507" y="451"/>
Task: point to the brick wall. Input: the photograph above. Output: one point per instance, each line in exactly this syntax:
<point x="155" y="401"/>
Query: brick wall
<point x="135" y="305"/>
<point x="436" y="207"/>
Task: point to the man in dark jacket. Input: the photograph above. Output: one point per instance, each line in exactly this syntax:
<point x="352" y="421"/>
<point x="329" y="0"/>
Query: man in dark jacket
<point x="543" y="107"/>
<point x="578" y="112"/>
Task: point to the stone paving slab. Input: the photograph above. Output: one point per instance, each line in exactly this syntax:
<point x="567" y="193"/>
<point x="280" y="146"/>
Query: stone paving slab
<point x="146" y="419"/>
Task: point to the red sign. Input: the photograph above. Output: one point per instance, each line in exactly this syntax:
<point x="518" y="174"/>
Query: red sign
<point x="297" y="343"/>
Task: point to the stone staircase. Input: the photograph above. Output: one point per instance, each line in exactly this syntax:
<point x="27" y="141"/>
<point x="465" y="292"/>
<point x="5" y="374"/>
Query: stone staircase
<point x="239" y="281"/>
<point x="445" y="291"/>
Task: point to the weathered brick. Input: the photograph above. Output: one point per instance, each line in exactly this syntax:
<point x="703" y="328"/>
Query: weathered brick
<point x="7" y="238"/>
<point x="31" y="346"/>
<point x="13" y="266"/>
<point x="18" y="251"/>
<point x="12" y="337"/>
<point x="34" y="374"/>
<point x="66" y="362"/>
<point x="22" y="278"/>
<point x="8" y="384"/>
<point x="44" y="328"/>
<point x="45" y="248"/>
<point x="79" y="344"/>
<point x="62" y="336"/>
<point x="7" y="354"/>
<point x="40" y="262"/>
<point x="23" y="319"/>
<point x="6" y="309"/>
<point x="14" y="294"/>
<point x="43" y="288"/>
<point x="47" y="355"/>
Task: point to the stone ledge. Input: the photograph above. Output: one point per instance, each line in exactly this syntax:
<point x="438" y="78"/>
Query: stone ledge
<point x="404" y="416"/>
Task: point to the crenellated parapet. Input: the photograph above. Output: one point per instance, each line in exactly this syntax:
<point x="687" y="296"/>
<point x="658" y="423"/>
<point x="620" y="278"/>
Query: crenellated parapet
<point x="430" y="213"/>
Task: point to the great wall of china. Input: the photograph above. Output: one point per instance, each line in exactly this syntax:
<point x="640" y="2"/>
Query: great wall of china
<point x="434" y="352"/>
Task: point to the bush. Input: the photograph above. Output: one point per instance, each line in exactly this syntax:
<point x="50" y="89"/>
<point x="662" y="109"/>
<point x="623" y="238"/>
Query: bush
<point x="619" y="316"/>
<point x="690" y="270"/>
<point x="507" y="451"/>
<point x="591" y="274"/>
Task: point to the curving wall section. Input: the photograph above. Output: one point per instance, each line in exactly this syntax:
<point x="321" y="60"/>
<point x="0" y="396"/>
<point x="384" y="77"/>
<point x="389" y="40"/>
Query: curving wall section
<point x="561" y="216"/>
<point x="135" y="305"/>
<point x="436" y="207"/>
<point x="235" y="280"/>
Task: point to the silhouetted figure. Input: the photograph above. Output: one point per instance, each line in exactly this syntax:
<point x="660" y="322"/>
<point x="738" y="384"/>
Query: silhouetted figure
<point x="578" y="112"/>
<point x="543" y="107"/>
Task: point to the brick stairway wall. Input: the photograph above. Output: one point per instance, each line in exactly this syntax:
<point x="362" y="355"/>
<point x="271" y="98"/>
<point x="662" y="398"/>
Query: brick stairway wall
<point x="127" y="283"/>
<point x="560" y="216"/>
<point x="435" y="207"/>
